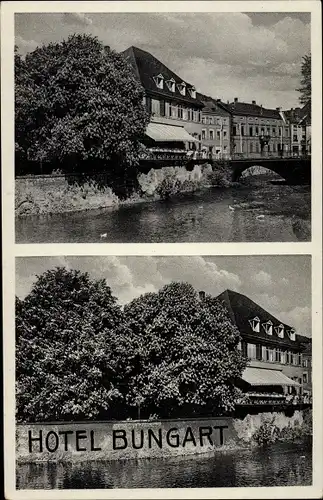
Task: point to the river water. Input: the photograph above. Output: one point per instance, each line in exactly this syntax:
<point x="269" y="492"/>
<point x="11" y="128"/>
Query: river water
<point x="279" y="465"/>
<point x="262" y="210"/>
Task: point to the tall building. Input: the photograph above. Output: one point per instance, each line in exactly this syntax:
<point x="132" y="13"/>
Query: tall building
<point x="258" y="131"/>
<point x="299" y="121"/>
<point x="216" y="127"/>
<point x="276" y="354"/>
<point x="174" y="108"/>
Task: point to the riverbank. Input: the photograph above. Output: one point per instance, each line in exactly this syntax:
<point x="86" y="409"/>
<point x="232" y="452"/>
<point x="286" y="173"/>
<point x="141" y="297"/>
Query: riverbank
<point x="57" y="194"/>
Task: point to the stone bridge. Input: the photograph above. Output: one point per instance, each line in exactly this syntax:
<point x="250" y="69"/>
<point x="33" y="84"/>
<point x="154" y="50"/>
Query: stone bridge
<point x="293" y="170"/>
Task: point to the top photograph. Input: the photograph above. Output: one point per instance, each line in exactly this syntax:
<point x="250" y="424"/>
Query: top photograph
<point x="162" y="127"/>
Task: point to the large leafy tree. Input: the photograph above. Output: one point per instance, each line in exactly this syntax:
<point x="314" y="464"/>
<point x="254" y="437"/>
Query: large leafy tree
<point x="306" y="81"/>
<point x="184" y="353"/>
<point x="70" y="345"/>
<point x="78" y="101"/>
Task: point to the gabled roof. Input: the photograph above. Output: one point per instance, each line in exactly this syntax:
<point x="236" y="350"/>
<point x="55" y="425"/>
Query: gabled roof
<point x="146" y="67"/>
<point x="242" y="309"/>
<point x="213" y="105"/>
<point x="249" y="109"/>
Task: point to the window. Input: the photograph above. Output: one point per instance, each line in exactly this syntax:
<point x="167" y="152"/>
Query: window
<point x="218" y="134"/>
<point x="203" y="134"/>
<point x="211" y="135"/>
<point x="280" y="331"/>
<point x="283" y="357"/>
<point x="292" y="334"/>
<point x="274" y="131"/>
<point x="190" y="115"/>
<point x="295" y="138"/>
<point x="274" y="148"/>
<point x="268" y="131"/>
<point x="159" y="80"/>
<point x="262" y="131"/>
<point x="155" y="107"/>
<point x="251" y="147"/>
<point x="171" y="84"/>
<point x="234" y="130"/>
<point x="277" y="355"/>
<point x="182" y="88"/>
<point x="199" y="116"/>
<point x="305" y="378"/>
<point x="263" y="353"/>
<point x="255" y="324"/>
<point x="242" y="129"/>
<point x="162" y="108"/>
<point x="288" y="358"/>
<point x="250" y="131"/>
<point x="203" y="119"/>
<point x="251" y="351"/>
<point x="180" y="112"/>
<point x="257" y="131"/>
<point x="268" y="147"/>
<point x="294" y="359"/>
<point x="224" y="133"/>
<point x="257" y="147"/>
<point x="268" y="327"/>
<point x="305" y="363"/>
<point x="192" y="92"/>
<point x="269" y="355"/>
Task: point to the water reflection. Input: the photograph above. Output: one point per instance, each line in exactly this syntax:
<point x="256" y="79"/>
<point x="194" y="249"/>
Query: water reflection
<point x="280" y="465"/>
<point x="263" y="211"/>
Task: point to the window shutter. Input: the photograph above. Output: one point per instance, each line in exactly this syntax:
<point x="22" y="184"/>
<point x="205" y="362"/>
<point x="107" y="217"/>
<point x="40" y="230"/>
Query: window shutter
<point x="162" y="108"/>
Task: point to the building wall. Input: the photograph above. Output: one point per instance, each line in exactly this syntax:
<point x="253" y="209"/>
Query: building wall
<point x="166" y="111"/>
<point x="216" y="134"/>
<point x="247" y="142"/>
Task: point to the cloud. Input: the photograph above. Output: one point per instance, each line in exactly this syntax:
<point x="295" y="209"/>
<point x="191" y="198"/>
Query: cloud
<point x="77" y="18"/>
<point x="25" y="45"/>
<point x="300" y="318"/>
<point x="262" y="279"/>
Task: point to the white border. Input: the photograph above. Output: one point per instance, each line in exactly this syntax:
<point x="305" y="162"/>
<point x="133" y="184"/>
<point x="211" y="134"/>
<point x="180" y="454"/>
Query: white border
<point x="10" y="249"/>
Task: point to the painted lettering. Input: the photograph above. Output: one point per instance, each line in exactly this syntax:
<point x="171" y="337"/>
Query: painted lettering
<point x="32" y="439"/>
<point x="134" y="440"/>
<point x="189" y="437"/>
<point x="65" y="434"/>
<point x="158" y="439"/>
<point x="170" y="435"/>
<point x="221" y="427"/>
<point x="93" y="448"/>
<point x="47" y="441"/>
<point x="205" y="432"/>
<point x="119" y="434"/>
<point x="79" y="435"/>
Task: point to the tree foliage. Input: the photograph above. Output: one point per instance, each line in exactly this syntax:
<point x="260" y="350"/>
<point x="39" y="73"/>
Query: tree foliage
<point x="186" y="356"/>
<point x="70" y="343"/>
<point x="306" y="81"/>
<point x="78" y="101"/>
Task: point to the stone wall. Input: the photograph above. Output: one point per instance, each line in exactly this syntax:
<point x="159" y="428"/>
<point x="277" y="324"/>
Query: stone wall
<point x="119" y="440"/>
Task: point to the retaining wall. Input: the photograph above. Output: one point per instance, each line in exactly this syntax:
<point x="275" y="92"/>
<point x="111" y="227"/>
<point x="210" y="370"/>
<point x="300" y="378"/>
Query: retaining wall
<point x="118" y="440"/>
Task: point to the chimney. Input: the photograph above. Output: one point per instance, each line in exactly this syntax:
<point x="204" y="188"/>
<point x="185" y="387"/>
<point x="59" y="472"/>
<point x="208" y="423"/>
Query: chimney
<point x="235" y="99"/>
<point x="254" y="102"/>
<point x="261" y="109"/>
<point x="278" y="109"/>
<point x="201" y="295"/>
<point x="218" y="100"/>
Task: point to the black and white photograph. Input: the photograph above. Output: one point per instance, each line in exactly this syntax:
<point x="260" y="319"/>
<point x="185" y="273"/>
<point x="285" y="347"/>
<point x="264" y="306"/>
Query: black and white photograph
<point x="163" y="372"/>
<point x="164" y="127"/>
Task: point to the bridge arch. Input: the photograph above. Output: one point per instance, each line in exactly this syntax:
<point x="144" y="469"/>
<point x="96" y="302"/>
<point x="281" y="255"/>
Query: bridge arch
<point x="255" y="169"/>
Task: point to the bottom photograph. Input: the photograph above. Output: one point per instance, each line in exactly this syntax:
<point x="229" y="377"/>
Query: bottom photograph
<point x="163" y="372"/>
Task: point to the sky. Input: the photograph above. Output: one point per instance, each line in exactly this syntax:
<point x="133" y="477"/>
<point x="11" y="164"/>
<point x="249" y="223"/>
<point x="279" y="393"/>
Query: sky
<point x="252" y="56"/>
<point x="280" y="284"/>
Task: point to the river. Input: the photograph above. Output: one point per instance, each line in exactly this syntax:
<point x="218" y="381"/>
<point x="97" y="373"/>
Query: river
<point x="260" y="211"/>
<point x="281" y="464"/>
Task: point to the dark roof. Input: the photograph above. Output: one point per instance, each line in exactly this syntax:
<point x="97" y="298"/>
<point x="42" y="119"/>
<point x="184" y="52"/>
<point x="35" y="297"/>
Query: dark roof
<point x="299" y="115"/>
<point x="146" y="67"/>
<point x="242" y="309"/>
<point x="249" y="109"/>
<point x="212" y="105"/>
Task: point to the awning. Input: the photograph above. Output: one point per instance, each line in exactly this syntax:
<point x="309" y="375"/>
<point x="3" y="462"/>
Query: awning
<point x="166" y="133"/>
<point x="262" y="376"/>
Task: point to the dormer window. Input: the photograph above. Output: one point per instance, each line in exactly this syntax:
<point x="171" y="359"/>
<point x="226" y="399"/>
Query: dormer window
<point x="255" y="324"/>
<point x="280" y="331"/>
<point x="292" y="334"/>
<point x="159" y="80"/>
<point x="182" y="88"/>
<point x="171" y="84"/>
<point x="192" y="92"/>
<point x="268" y="327"/>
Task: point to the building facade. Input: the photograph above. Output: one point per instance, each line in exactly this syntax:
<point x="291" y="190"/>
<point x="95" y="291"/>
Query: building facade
<point x="216" y="128"/>
<point x="279" y="360"/>
<point x="258" y="131"/>
<point x="299" y="121"/>
<point x="173" y="105"/>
